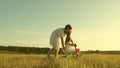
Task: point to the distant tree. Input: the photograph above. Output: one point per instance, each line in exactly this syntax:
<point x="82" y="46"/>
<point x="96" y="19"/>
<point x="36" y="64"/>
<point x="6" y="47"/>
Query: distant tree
<point x="97" y="51"/>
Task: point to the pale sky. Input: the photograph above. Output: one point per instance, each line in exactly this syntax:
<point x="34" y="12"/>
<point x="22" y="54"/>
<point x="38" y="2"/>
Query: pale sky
<point x="96" y="23"/>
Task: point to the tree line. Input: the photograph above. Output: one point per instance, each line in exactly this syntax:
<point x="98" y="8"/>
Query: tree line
<point x="37" y="50"/>
<point x="26" y="50"/>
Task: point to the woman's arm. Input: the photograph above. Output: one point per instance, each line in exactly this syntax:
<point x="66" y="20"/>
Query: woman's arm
<point x="72" y="41"/>
<point x="62" y="41"/>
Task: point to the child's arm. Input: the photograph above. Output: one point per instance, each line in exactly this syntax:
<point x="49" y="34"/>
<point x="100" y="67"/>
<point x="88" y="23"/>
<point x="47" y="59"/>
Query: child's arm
<point x="72" y="41"/>
<point x="62" y="41"/>
<point x="70" y="44"/>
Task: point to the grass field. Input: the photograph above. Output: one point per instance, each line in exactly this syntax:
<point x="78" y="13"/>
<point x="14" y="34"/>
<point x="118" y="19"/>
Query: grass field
<point x="37" y="61"/>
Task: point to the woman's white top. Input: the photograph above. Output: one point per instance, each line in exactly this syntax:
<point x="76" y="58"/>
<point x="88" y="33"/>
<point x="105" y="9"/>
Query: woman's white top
<point x="56" y="35"/>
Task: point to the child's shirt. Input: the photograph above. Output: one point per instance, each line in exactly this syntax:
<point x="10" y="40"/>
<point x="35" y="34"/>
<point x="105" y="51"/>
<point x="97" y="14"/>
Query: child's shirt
<point x="69" y="48"/>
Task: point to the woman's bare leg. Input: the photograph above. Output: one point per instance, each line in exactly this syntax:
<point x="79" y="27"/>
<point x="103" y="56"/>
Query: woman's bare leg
<point x="50" y="52"/>
<point x="56" y="53"/>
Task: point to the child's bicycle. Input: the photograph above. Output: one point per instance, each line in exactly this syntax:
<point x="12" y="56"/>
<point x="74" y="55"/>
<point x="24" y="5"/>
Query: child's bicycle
<point x="72" y="50"/>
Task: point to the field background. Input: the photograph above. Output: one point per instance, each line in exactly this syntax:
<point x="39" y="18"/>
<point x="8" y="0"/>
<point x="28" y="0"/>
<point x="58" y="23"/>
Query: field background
<point x="37" y="61"/>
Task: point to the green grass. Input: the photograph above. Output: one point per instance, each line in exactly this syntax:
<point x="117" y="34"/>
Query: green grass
<point x="37" y="61"/>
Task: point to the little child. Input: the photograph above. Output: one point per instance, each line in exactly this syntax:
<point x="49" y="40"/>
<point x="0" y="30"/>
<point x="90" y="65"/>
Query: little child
<point x="70" y="47"/>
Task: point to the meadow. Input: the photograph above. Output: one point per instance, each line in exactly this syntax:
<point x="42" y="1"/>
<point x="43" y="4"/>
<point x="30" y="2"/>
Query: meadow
<point x="37" y="61"/>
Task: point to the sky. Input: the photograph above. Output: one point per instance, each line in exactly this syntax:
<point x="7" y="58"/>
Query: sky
<point x="96" y="23"/>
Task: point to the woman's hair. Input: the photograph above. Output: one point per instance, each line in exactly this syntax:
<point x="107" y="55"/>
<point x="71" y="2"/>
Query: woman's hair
<point x="68" y="38"/>
<point x="68" y="26"/>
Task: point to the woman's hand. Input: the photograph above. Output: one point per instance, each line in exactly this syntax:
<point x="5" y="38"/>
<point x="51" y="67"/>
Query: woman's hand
<point x="75" y="45"/>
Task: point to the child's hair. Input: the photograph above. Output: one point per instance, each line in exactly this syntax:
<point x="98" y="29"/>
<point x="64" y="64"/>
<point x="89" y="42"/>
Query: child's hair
<point x="68" y="26"/>
<point x="68" y="38"/>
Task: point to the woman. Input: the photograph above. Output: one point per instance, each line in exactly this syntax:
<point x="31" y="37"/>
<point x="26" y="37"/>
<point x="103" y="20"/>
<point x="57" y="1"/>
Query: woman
<point x="56" y="36"/>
